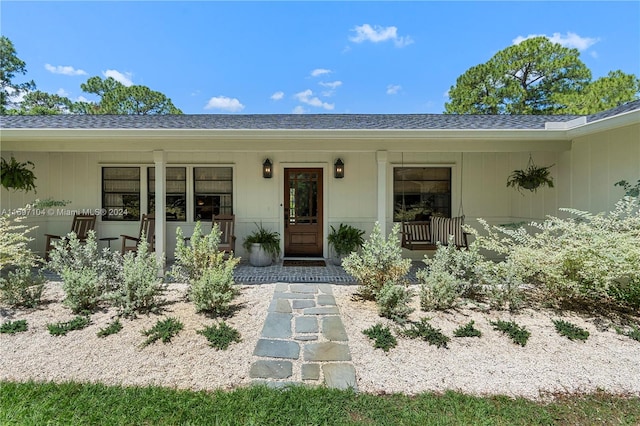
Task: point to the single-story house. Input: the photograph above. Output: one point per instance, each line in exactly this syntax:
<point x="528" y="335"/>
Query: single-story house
<point x="393" y="167"/>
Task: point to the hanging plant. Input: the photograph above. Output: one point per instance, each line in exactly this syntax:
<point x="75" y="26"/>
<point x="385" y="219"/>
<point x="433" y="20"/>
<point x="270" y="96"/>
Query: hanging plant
<point x="531" y="178"/>
<point x="17" y="176"/>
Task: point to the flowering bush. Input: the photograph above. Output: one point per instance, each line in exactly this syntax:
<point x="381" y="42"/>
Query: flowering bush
<point x="14" y="250"/>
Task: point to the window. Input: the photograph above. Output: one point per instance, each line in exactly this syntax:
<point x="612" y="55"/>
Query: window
<point x="176" y="189"/>
<point x="212" y="189"/>
<point x="121" y="193"/>
<point x="421" y="192"/>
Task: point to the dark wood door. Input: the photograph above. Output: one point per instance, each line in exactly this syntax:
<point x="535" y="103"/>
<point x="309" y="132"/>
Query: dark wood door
<point x="303" y="212"/>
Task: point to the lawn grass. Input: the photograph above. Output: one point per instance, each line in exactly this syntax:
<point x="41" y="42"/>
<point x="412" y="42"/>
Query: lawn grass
<point x="96" y="404"/>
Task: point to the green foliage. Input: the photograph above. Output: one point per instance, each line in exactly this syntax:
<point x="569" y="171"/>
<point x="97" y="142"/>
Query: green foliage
<point x="425" y="331"/>
<point x="163" y="330"/>
<point x="139" y="289"/>
<point x="632" y="332"/>
<point x="379" y="263"/>
<point x="345" y="239"/>
<point x="467" y="330"/>
<point x="17" y="175"/>
<point x="610" y="91"/>
<point x="451" y="274"/>
<point x="14" y="243"/>
<point x="111" y="328"/>
<point x="11" y="66"/>
<point x="270" y="240"/>
<point x="215" y="289"/>
<point x="13" y="327"/>
<point x="42" y="103"/>
<point x="382" y="337"/>
<point x="220" y="336"/>
<point x="570" y="331"/>
<point x="87" y="274"/>
<point x="393" y="302"/>
<point x="22" y="287"/>
<point x="531" y="178"/>
<point x="629" y="190"/>
<point x="118" y="99"/>
<point x="201" y="253"/>
<point x="62" y="328"/>
<point x="518" y="334"/>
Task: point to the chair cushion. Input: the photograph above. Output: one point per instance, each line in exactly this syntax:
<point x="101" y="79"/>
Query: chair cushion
<point x="442" y="227"/>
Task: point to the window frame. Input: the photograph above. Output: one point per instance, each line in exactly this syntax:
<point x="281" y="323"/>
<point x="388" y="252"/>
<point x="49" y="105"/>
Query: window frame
<point x="110" y="210"/>
<point x="446" y="211"/>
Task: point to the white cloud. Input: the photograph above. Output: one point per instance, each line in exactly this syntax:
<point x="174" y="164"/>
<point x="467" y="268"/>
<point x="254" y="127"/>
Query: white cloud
<point x="307" y="97"/>
<point x="64" y="70"/>
<point x="319" y="71"/>
<point x="82" y="99"/>
<point x="331" y="84"/>
<point x="125" y="78"/>
<point x="62" y="92"/>
<point x="277" y="96"/>
<point x="570" y="40"/>
<point x="299" y="110"/>
<point x="393" y="89"/>
<point x="224" y="103"/>
<point x="379" y="34"/>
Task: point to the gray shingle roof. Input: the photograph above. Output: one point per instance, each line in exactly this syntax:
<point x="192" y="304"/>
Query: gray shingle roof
<point x="300" y="122"/>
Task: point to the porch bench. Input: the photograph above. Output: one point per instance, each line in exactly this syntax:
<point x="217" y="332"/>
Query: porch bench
<point x="419" y="235"/>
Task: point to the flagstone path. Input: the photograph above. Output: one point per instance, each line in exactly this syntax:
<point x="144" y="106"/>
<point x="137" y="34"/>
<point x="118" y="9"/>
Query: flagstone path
<point x="303" y="340"/>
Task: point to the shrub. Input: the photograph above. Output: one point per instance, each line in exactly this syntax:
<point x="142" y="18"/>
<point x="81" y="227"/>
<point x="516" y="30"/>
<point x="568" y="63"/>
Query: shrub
<point x="13" y="327"/>
<point x="201" y="253"/>
<point x="62" y="328"/>
<point x="518" y="334"/>
<point x="632" y="332"/>
<point x="215" y="289"/>
<point x="570" y="331"/>
<point x="427" y="332"/>
<point x="14" y="249"/>
<point x="22" y="287"/>
<point x="220" y="336"/>
<point x="393" y="302"/>
<point x="140" y="288"/>
<point x="450" y="274"/>
<point x="87" y="274"/>
<point x="467" y="330"/>
<point x="111" y="328"/>
<point x="382" y="337"/>
<point x="163" y="330"/>
<point x="379" y="263"/>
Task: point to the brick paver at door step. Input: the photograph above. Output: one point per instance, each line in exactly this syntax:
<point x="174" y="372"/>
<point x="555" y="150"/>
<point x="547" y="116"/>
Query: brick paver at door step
<point x="303" y="340"/>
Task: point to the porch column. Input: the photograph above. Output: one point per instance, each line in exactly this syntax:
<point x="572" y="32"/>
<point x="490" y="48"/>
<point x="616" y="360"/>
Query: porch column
<point x="382" y="158"/>
<point x="160" y="160"/>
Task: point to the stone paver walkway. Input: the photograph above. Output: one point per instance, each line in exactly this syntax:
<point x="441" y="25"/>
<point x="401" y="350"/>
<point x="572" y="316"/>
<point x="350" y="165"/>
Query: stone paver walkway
<point x="303" y="340"/>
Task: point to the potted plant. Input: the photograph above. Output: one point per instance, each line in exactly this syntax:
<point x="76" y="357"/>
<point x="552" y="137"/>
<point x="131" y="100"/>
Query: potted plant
<point x="531" y="178"/>
<point x="344" y="240"/>
<point x="16" y="175"/>
<point x="263" y="246"/>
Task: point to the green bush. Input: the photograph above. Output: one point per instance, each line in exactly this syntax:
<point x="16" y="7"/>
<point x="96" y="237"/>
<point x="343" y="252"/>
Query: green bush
<point x="451" y="274"/>
<point x="139" y="289"/>
<point x="14" y="243"/>
<point x="518" y="334"/>
<point x="62" y="328"/>
<point x="393" y="302"/>
<point x="215" y="289"/>
<point x="570" y="331"/>
<point x="87" y="274"/>
<point x="382" y="337"/>
<point x="220" y="336"/>
<point x="22" y="287"/>
<point x="467" y="330"/>
<point x="427" y="332"/>
<point x="379" y="263"/>
<point x="13" y="327"/>
<point x="201" y="253"/>
<point x="112" y="328"/>
<point x="163" y="330"/>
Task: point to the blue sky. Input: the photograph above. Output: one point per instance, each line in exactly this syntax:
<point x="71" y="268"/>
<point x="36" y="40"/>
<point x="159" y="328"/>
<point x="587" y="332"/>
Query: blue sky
<point x="302" y="57"/>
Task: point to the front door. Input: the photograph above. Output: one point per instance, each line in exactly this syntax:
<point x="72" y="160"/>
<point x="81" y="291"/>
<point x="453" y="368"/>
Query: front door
<point x="303" y="212"/>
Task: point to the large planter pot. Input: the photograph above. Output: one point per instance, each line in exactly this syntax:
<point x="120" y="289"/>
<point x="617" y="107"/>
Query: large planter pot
<point x="258" y="256"/>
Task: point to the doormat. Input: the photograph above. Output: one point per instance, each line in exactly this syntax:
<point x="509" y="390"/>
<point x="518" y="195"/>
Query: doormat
<point x="303" y="263"/>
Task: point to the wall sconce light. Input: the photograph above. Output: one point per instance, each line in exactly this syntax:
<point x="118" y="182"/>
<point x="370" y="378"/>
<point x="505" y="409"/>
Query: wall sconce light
<point x="338" y="169"/>
<point x="267" y="171"/>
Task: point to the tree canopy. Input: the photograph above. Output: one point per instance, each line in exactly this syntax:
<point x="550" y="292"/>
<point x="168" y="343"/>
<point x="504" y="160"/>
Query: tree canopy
<point x="538" y="76"/>
<point x="115" y="97"/>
